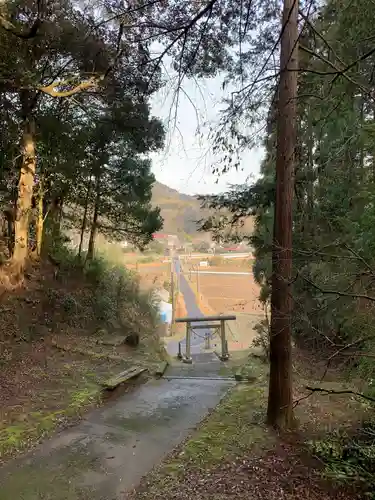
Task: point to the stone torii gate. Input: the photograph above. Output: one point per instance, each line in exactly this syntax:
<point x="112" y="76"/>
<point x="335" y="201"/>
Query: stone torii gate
<point x="207" y="322"/>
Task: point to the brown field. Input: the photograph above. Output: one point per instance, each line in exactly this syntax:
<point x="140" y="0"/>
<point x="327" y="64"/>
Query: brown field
<point x="154" y="275"/>
<point x="225" y="293"/>
<point x="231" y="264"/>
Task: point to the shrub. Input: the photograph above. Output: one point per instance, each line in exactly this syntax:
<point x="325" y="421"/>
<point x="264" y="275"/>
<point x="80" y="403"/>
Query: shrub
<point x="216" y="261"/>
<point x="262" y="339"/>
<point x="350" y="459"/>
<point x="147" y="260"/>
<point x="104" y="308"/>
<point x="167" y="285"/>
<point x="70" y="304"/>
<point x="95" y="269"/>
<point x="117" y="301"/>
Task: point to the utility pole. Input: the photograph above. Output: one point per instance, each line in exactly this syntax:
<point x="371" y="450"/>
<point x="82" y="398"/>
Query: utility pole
<point x="172" y="297"/>
<point x="280" y="411"/>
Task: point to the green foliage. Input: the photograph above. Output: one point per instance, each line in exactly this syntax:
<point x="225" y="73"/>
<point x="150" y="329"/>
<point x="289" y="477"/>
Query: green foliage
<point x="262" y="338"/>
<point x="201" y="246"/>
<point x="155" y="247"/>
<point x="334" y="195"/>
<point x="70" y="304"/>
<point x="118" y="300"/>
<point x="95" y="269"/>
<point x="91" y="151"/>
<point x="350" y="458"/>
<point x="216" y="261"/>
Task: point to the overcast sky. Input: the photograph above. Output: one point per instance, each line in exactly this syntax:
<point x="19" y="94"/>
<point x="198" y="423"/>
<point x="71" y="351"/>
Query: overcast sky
<point x="185" y="162"/>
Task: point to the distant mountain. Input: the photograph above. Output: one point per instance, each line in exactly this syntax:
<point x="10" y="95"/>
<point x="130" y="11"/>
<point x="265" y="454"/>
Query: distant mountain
<point x="179" y="211"/>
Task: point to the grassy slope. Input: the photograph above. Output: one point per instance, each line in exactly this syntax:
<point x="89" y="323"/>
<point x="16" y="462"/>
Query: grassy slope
<point x="234" y="455"/>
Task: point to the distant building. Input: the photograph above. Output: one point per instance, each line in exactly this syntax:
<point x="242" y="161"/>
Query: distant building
<point x="160" y="236"/>
<point x="170" y="240"/>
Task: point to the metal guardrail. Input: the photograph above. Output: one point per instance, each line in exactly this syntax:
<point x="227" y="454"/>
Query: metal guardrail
<point x="192" y="319"/>
<point x="209" y="319"/>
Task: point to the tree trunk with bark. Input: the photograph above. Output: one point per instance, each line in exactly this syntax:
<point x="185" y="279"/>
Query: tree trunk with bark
<point x="84" y="219"/>
<point x="94" y="225"/>
<point x="25" y="189"/>
<point x="280" y="407"/>
<point x="39" y="224"/>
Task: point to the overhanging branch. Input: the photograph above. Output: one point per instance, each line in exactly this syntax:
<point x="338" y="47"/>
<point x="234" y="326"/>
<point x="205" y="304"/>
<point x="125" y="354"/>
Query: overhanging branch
<point x="331" y="391"/>
<point x="340" y="294"/>
<point x="52" y="91"/>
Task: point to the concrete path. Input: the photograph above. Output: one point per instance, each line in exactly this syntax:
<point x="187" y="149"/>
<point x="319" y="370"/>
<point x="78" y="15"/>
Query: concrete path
<point x="109" y="451"/>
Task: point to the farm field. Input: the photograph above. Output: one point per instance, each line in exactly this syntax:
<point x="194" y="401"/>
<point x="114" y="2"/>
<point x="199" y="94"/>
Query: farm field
<point x="226" y="293"/>
<point x="153" y="274"/>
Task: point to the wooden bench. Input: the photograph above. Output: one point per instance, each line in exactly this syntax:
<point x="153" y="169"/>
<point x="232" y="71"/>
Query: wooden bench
<point x="122" y="377"/>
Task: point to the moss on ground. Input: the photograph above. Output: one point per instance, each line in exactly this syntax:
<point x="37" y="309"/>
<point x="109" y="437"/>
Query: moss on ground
<point x="235" y="434"/>
<point x="233" y="426"/>
<point x="239" y="360"/>
<point x="230" y="428"/>
<point x="31" y="427"/>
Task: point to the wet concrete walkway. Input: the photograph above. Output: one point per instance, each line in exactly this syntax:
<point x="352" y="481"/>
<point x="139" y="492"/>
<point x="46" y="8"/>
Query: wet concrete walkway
<point x="108" y="452"/>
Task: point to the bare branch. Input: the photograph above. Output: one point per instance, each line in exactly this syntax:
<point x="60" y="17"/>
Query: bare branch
<point x="337" y="71"/>
<point x="356" y="254"/>
<point x="344" y="348"/>
<point x="331" y="391"/>
<point x="341" y="294"/>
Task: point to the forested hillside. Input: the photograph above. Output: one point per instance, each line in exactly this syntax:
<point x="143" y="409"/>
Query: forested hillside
<point x="180" y="212"/>
<point x="76" y="133"/>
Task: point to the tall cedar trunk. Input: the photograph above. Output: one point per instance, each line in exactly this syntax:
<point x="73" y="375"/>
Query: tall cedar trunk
<point x="94" y="225"/>
<point x="310" y="167"/>
<point x="280" y="411"/>
<point x="61" y="213"/>
<point x="52" y="234"/>
<point x="84" y="220"/>
<point x="25" y="188"/>
<point x="40" y="219"/>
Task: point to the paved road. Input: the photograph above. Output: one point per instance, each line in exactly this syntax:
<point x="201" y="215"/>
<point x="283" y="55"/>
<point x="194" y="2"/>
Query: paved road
<point x="204" y="256"/>
<point x="192" y="308"/>
<point x="240" y="273"/>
